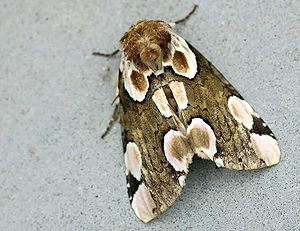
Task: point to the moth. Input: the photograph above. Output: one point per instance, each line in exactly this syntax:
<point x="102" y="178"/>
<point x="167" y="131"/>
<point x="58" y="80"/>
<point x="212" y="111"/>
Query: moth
<point x="174" y="105"/>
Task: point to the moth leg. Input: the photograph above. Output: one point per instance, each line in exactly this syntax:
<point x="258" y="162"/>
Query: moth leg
<point x="106" y="54"/>
<point x="115" y="99"/>
<point x="115" y="115"/>
<point x="114" y="118"/>
<point x="184" y="19"/>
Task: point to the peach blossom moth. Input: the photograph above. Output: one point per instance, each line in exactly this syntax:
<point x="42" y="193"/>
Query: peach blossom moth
<point x="174" y="104"/>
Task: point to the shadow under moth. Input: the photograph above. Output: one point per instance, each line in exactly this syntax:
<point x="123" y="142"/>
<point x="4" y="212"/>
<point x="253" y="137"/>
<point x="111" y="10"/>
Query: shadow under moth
<point x="174" y="104"/>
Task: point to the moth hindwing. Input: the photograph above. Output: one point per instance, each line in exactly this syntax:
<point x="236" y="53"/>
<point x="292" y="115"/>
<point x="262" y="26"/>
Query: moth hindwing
<point x="174" y="104"/>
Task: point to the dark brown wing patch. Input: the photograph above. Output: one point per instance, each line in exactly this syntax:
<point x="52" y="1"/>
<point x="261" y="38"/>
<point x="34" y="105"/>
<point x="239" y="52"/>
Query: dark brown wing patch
<point x="179" y="62"/>
<point x="138" y="80"/>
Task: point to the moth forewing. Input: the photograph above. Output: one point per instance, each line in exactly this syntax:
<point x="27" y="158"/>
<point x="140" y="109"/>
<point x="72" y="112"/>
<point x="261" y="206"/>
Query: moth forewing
<point x="174" y="104"/>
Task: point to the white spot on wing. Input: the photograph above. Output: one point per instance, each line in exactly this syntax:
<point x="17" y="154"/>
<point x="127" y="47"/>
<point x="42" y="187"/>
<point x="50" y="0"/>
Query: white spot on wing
<point x="266" y="148"/>
<point x="241" y="111"/>
<point x="179" y="93"/>
<point x="161" y="102"/>
<point x="179" y="44"/>
<point x="134" y="93"/>
<point x="133" y="160"/>
<point x="202" y="138"/>
<point x="181" y="180"/>
<point x="143" y="204"/>
<point x="219" y="162"/>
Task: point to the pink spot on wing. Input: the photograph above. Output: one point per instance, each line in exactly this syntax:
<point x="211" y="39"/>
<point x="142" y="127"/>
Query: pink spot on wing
<point x="179" y="93"/>
<point x="143" y="204"/>
<point x="241" y="111"/>
<point x="133" y="160"/>
<point x="266" y="148"/>
<point x="202" y="138"/>
<point x="177" y="150"/>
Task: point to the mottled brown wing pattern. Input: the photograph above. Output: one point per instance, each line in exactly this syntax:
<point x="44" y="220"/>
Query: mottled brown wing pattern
<point x="144" y="125"/>
<point x="208" y="96"/>
<point x="173" y="105"/>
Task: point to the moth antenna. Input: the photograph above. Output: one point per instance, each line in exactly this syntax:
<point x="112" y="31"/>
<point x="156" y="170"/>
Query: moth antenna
<point x="106" y="54"/>
<point x="187" y="16"/>
<point x="114" y="118"/>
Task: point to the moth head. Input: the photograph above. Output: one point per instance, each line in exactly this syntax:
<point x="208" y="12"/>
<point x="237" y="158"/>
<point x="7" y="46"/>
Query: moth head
<point x="152" y="57"/>
<point x="146" y="45"/>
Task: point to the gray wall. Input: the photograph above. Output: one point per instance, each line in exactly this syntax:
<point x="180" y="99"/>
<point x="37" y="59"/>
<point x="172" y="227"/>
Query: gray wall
<point x="55" y="171"/>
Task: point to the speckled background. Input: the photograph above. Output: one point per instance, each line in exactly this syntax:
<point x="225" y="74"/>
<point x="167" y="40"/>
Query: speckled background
<point x="55" y="171"/>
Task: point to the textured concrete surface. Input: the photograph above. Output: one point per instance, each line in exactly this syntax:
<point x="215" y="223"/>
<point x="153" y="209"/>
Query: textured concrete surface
<point x="55" y="171"/>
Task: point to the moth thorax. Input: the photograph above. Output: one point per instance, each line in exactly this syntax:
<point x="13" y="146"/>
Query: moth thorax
<point x="152" y="57"/>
